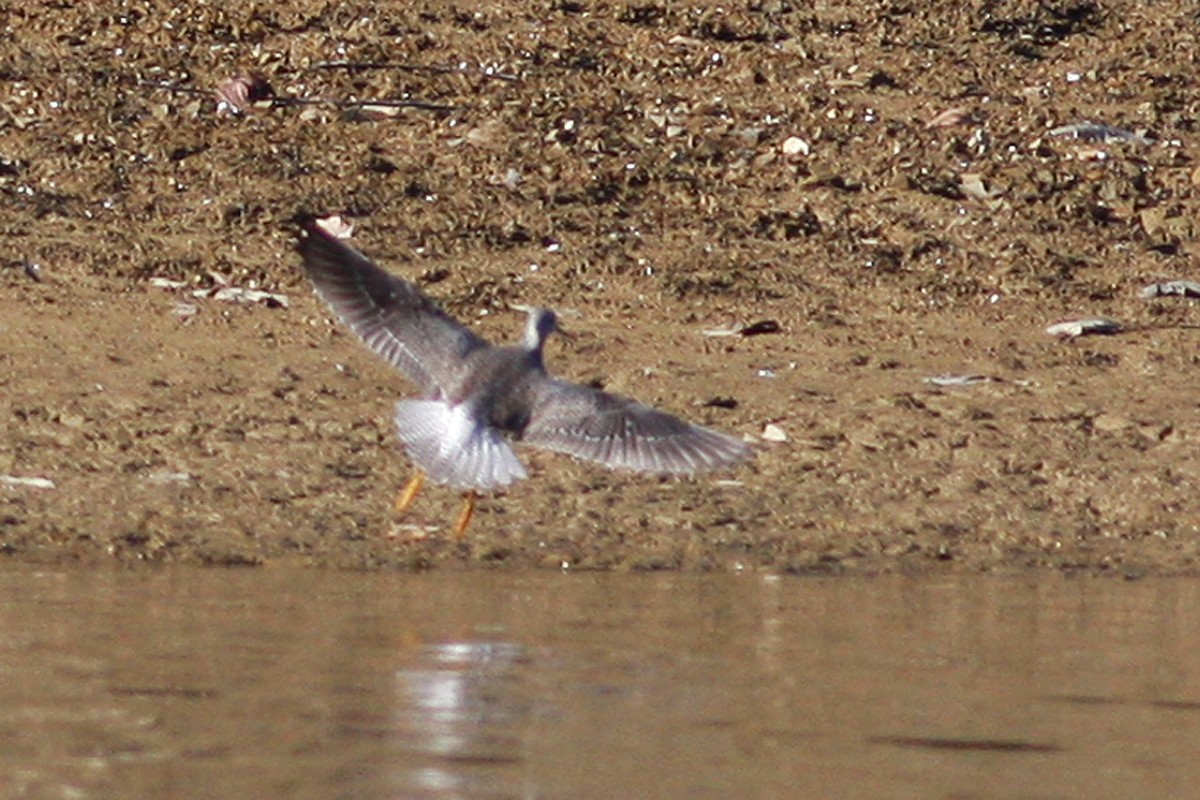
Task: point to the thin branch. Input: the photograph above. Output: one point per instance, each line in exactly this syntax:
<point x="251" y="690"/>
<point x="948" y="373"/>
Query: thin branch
<point x="279" y="101"/>
<point x="361" y="66"/>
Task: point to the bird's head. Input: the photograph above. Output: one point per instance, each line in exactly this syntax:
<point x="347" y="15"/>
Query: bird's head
<point x="541" y="323"/>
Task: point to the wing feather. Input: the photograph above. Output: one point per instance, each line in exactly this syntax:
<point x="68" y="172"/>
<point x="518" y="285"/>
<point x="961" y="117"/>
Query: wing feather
<point x="391" y="315"/>
<point x="620" y="432"/>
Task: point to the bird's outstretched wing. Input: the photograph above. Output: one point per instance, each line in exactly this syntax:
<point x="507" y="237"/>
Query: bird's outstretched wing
<point x="390" y="314"/>
<point x="623" y="433"/>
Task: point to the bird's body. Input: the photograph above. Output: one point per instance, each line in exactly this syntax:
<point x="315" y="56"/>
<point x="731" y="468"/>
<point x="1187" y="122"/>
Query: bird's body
<point x="478" y="397"/>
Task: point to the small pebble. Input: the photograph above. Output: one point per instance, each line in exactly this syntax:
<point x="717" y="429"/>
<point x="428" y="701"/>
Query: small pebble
<point x="795" y="146"/>
<point x="336" y="226"/>
<point x="773" y="433"/>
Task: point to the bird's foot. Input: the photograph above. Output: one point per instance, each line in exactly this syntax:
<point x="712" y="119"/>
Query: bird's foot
<point x="409" y="493"/>
<point x="464" y="518"/>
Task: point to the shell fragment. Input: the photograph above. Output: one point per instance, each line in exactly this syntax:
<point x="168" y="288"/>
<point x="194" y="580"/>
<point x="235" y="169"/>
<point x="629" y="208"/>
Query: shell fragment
<point x="1084" y="327"/>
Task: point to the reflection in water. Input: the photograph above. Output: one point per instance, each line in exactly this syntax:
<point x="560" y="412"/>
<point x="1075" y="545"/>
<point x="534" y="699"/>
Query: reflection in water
<point x="463" y="710"/>
<point x="270" y="683"/>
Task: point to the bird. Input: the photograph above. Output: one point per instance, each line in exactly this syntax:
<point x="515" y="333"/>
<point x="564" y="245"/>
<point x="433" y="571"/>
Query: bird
<point x="477" y="399"/>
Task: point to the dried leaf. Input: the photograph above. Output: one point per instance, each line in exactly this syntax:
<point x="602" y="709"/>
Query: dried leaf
<point x="236" y="294"/>
<point x="949" y="118"/>
<point x="761" y="327"/>
<point x="1098" y="133"/>
<point x="1177" y="288"/>
<point x="31" y="483"/>
<point x="958" y="380"/>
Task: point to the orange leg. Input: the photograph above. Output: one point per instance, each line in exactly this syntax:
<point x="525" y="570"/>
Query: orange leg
<point x="409" y="493"/>
<point x="464" y="519"/>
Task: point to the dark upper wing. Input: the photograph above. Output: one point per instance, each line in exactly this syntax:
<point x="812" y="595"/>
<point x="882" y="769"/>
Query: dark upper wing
<point x="391" y="314"/>
<point x="620" y="432"/>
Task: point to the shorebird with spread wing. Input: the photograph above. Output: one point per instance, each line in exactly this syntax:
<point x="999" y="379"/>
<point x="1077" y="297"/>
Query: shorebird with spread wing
<point x="477" y="398"/>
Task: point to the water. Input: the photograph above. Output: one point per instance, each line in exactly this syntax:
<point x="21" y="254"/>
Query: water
<point x="277" y="683"/>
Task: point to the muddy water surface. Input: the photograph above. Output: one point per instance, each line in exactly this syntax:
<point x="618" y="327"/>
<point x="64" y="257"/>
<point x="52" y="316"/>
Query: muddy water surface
<point x="278" y="683"/>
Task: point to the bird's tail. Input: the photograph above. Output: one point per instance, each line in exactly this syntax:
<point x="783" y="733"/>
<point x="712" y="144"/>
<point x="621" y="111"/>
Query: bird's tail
<point x="455" y="449"/>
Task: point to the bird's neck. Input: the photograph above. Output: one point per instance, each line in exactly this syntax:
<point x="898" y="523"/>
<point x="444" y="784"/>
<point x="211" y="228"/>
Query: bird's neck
<point x="533" y="340"/>
<point x="536" y="351"/>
